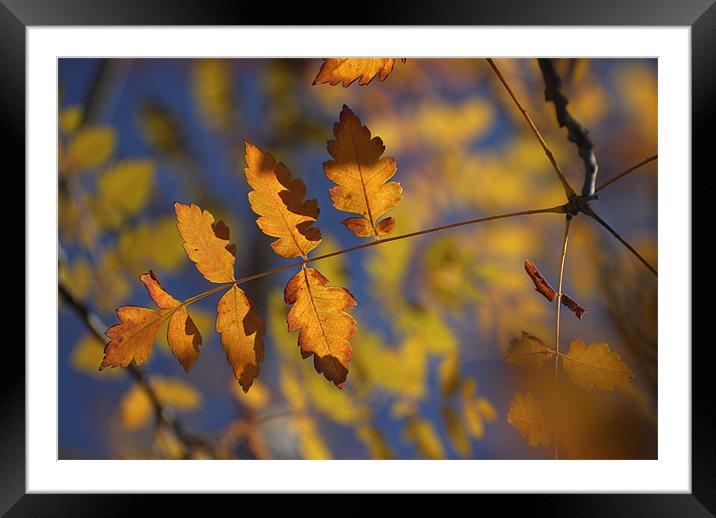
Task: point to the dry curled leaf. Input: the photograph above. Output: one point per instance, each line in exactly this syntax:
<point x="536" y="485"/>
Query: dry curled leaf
<point x="318" y="310"/>
<point x="206" y="242"/>
<point x="526" y="415"/>
<point x="183" y="336"/>
<point x="279" y="202"/>
<point x="595" y="365"/>
<point x="360" y="175"/>
<point x="347" y="70"/>
<point x="543" y="287"/>
<point x="528" y="351"/>
<point x="242" y="332"/>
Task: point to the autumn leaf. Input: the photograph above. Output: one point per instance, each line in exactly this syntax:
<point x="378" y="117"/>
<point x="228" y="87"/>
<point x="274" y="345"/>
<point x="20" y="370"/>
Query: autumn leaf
<point x="347" y="70"/>
<point x="360" y="175"/>
<point x="526" y="415"/>
<point x="70" y="118"/>
<point x="375" y="442"/>
<point x="241" y="335"/>
<point x="122" y="191"/>
<point x="206" y="242"/>
<point x="318" y="310"/>
<point x="87" y="354"/>
<point x="133" y="337"/>
<point x="595" y="365"/>
<point x="279" y="202"/>
<point x="528" y="351"/>
<point x="543" y="287"/>
<point x="182" y="334"/>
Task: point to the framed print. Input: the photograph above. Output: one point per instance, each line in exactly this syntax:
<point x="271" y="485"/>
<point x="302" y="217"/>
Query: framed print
<point x="283" y="256"/>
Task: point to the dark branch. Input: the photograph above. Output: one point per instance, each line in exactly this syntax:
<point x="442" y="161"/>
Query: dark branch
<point x="577" y="133"/>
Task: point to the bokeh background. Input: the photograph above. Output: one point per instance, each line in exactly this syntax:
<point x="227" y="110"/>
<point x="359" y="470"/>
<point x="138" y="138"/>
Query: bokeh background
<point x="435" y="313"/>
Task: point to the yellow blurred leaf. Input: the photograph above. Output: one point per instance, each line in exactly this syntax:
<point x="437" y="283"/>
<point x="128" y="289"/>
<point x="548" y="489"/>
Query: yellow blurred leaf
<point x="456" y="432"/>
<point x="87" y="355"/>
<point x="595" y="365"/>
<point x="90" y="147"/>
<point x="374" y="441"/>
<point x="421" y="433"/>
<point x="526" y="415"/>
<point x="122" y="191"/>
<point x="257" y="398"/>
<point x="136" y="407"/>
<point x="70" y="118"/>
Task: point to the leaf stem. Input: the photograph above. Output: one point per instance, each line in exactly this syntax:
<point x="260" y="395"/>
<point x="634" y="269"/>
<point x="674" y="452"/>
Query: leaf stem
<point x="624" y="173"/>
<point x="568" y="221"/>
<point x="565" y="184"/>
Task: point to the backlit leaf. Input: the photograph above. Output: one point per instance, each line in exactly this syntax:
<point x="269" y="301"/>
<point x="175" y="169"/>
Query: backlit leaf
<point x="183" y="336"/>
<point x="528" y="351"/>
<point x="241" y="335"/>
<point x="318" y="310"/>
<point x="595" y="365"/>
<point x="206" y="242"/>
<point x="133" y="337"/>
<point x="360" y="175"/>
<point x="347" y="70"/>
<point x="526" y="415"/>
<point x="279" y="202"/>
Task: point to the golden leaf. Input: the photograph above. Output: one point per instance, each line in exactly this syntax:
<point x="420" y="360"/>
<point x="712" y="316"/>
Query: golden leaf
<point x="206" y="242"/>
<point x="319" y="312"/>
<point x="241" y="335"/>
<point x="182" y="334"/>
<point x="360" y="175"/>
<point x="528" y="351"/>
<point x="90" y="147"/>
<point x="133" y="337"/>
<point x="279" y="202"/>
<point x="347" y="70"/>
<point x="595" y="365"/>
<point x="526" y="415"/>
<point x="136" y="407"/>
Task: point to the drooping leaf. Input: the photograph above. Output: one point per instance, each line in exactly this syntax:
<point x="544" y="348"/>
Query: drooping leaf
<point x="528" y="351"/>
<point x="318" y="310"/>
<point x="182" y="334"/>
<point x="206" y="242"/>
<point x="242" y="332"/>
<point x="136" y="407"/>
<point x="360" y="175"/>
<point x="526" y="415"/>
<point x="279" y="202"/>
<point x="347" y="70"/>
<point x="595" y="365"/>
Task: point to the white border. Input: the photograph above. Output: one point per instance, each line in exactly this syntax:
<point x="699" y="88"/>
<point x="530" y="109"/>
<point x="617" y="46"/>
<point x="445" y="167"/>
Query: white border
<point x="672" y="472"/>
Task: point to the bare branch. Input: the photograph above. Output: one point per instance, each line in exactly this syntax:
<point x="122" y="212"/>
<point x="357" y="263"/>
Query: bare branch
<point x="576" y="132"/>
<point x="624" y="173"/>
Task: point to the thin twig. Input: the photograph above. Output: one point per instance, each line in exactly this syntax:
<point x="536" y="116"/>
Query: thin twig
<point x="94" y="323"/>
<point x="576" y="132"/>
<point x="624" y="173"/>
<point x="623" y="241"/>
<point x="567" y="223"/>
<point x="565" y="184"/>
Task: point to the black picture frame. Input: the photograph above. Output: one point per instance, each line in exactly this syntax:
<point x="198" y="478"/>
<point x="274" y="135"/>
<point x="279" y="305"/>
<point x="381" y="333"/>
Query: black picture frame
<point x="700" y="15"/>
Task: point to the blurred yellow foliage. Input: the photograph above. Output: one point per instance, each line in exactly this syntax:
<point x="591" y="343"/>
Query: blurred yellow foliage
<point x="136" y="407"/>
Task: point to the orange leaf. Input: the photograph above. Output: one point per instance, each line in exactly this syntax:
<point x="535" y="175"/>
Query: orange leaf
<point x="279" y="202"/>
<point x="360" y="175"/>
<point x="133" y="337"/>
<point x="182" y="334"/>
<point x="347" y="70"/>
<point x="241" y="335"/>
<point x="206" y="242"/>
<point x="319" y="312"/>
